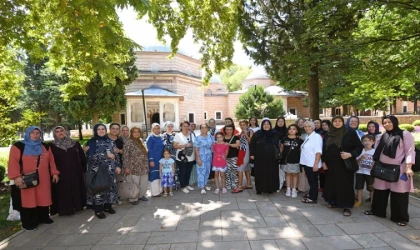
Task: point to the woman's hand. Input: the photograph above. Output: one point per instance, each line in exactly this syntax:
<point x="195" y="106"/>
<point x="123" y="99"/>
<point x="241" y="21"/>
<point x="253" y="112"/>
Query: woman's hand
<point x="127" y="171"/>
<point x="409" y="172"/>
<point x="111" y="156"/>
<point x="251" y="157"/>
<point x="315" y="168"/>
<point x="199" y="162"/>
<point x="86" y="148"/>
<point x="152" y="164"/>
<point x="55" y="178"/>
<point x="116" y="150"/>
<point x="19" y="182"/>
<point x="324" y="166"/>
<point x="345" y="155"/>
<point x="188" y="145"/>
<point x="118" y="170"/>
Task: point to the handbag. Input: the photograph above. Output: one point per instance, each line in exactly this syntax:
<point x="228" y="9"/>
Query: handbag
<point x="129" y="190"/>
<point x="31" y="179"/>
<point x="99" y="181"/>
<point x="385" y="172"/>
<point x="351" y="164"/>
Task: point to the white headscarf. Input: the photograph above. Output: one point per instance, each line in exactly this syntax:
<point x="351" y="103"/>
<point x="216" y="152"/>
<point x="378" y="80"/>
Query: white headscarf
<point x="153" y="126"/>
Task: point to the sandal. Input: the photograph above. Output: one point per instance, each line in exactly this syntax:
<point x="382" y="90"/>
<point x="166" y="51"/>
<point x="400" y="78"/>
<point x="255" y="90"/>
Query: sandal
<point x="247" y="187"/>
<point x="309" y="201"/>
<point x="237" y="190"/>
<point x="331" y="206"/>
<point x="306" y="196"/>
<point x="347" y="212"/>
<point x="369" y="212"/>
<point x="402" y="224"/>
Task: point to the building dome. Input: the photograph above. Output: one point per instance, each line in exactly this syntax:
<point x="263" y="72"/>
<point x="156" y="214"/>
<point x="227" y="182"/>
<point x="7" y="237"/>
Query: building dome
<point x="215" y="79"/>
<point x="161" y="48"/>
<point x="257" y="74"/>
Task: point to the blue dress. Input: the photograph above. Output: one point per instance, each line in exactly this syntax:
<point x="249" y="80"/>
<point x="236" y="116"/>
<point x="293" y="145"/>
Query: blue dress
<point x="204" y="144"/>
<point x="155" y="147"/>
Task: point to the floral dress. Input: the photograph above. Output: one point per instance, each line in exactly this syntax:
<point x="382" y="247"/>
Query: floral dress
<point x="168" y="142"/>
<point x="99" y="159"/>
<point x="204" y="145"/>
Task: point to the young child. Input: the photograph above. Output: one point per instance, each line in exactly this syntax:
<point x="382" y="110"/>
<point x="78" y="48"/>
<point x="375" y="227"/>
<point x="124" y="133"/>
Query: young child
<point x="290" y="148"/>
<point x="167" y="172"/>
<point x="365" y="161"/>
<point x="220" y="151"/>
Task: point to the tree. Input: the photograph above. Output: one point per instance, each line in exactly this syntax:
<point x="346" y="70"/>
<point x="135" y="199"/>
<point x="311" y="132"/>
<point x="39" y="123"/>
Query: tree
<point x="234" y="75"/>
<point x="297" y="41"/>
<point x="256" y="102"/>
<point x="102" y="100"/>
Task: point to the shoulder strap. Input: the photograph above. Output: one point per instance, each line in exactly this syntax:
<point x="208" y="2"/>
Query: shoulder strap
<point x="21" y="146"/>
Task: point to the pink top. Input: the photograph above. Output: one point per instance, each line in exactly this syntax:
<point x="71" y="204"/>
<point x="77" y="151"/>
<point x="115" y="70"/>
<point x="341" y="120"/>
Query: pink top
<point x="219" y="155"/>
<point x="405" y="149"/>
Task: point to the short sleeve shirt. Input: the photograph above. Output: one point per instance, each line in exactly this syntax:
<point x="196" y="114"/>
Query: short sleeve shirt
<point x="310" y="147"/>
<point x="166" y="165"/>
<point x="181" y="139"/>
<point x="364" y="165"/>
<point x="291" y="150"/>
<point x="233" y="152"/>
<point x="219" y="155"/>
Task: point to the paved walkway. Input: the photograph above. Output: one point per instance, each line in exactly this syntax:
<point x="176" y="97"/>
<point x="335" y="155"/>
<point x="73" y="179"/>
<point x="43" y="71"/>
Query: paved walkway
<point x="227" y="221"/>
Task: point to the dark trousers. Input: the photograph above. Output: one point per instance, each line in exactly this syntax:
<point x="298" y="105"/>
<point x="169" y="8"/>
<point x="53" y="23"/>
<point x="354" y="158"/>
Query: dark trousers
<point x="313" y="182"/>
<point x="100" y="208"/>
<point x="399" y="205"/>
<point x="185" y="169"/>
<point x="32" y="217"/>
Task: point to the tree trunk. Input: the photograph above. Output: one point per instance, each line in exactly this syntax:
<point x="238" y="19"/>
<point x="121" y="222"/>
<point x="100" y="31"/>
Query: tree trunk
<point x="415" y="105"/>
<point x="394" y="106"/>
<point x="79" y="124"/>
<point x="333" y="111"/>
<point x="313" y="93"/>
<point x="95" y="118"/>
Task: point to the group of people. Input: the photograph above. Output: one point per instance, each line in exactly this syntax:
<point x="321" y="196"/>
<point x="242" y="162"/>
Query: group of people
<point x="275" y="155"/>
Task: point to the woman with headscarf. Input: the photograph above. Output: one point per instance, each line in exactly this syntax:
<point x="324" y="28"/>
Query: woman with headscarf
<point x="136" y="163"/>
<point x="125" y="132"/>
<point x="155" y="149"/>
<point x="281" y="128"/>
<point x="68" y="195"/>
<point x="31" y="154"/>
<point x="373" y="129"/>
<point x="168" y="141"/>
<point x="325" y="125"/>
<point x="101" y="154"/>
<point x="318" y="126"/>
<point x="394" y="147"/>
<point x="339" y="144"/>
<point x="353" y="124"/>
<point x="262" y="151"/>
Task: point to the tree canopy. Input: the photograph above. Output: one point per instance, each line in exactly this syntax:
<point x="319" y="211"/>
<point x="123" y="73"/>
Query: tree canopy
<point x="234" y="75"/>
<point x="257" y="102"/>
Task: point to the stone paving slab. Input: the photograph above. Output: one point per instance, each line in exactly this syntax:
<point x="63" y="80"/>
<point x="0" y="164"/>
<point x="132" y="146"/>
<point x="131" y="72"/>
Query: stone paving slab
<point x="226" y="221"/>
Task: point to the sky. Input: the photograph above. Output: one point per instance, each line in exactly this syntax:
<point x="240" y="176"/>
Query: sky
<point x="144" y="34"/>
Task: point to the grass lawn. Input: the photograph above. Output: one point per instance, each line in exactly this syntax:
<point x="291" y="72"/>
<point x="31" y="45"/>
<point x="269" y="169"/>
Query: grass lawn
<point x="7" y="228"/>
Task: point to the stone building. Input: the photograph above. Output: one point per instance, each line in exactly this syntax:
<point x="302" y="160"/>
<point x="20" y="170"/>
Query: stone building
<point x="173" y="91"/>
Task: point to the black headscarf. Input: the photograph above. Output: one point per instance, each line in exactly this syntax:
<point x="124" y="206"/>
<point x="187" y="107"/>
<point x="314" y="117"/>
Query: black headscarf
<point x="376" y="129"/>
<point x="267" y="133"/>
<point x="281" y="130"/>
<point x="390" y="140"/>
<point x="335" y="135"/>
<point x="92" y="142"/>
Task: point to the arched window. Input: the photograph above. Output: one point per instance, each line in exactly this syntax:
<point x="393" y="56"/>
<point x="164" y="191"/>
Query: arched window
<point x="137" y="114"/>
<point x="168" y="112"/>
<point x="208" y="92"/>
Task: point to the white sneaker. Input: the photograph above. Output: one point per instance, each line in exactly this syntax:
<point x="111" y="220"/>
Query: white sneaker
<point x="185" y="190"/>
<point x="294" y="193"/>
<point x="288" y="192"/>
<point x="190" y="188"/>
<point x="217" y="191"/>
<point x="224" y="191"/>
<point x="208" y="188"/>
<point x="203" y="191"/>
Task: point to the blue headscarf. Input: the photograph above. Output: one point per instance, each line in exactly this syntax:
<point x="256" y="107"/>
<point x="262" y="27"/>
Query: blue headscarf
<point x="92" y="142"/>
<point x="32" y="147"/>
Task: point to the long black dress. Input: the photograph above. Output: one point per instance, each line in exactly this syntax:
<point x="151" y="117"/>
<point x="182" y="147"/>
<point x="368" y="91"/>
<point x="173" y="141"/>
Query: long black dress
<point x="266" y="168"/>
<point x="69" y="194"/>
<point x="339" y="183"/>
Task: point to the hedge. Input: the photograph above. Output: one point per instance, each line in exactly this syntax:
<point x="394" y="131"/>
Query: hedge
<point x="2" y="172"/>
<point x="363" y="127"/>
<point x="416" y="123"/>
<point x="408" y="127"/>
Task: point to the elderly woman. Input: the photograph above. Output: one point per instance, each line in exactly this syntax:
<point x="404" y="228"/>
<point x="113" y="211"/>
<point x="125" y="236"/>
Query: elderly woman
<point x="262" y="151"/>
<point x="114" y="135"/>
<point x="25" y="157"/>
<point x="185" y="157"/>
<point x="125" y="132"/>
<point x="203" y="155"/>
<point x="101" y="153"/>
<point x="68" y="195"/>
<point x="155" y="149"/>
<point x="340" y="144"/>
<point x="310" y="160"/>
<point x="168" y="141"/>
<point x="395" y="147"/>
<point x="136" y="163"/>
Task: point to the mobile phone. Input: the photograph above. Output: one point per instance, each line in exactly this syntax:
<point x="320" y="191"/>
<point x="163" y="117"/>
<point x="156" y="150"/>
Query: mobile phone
<point x="404" y="177"/>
